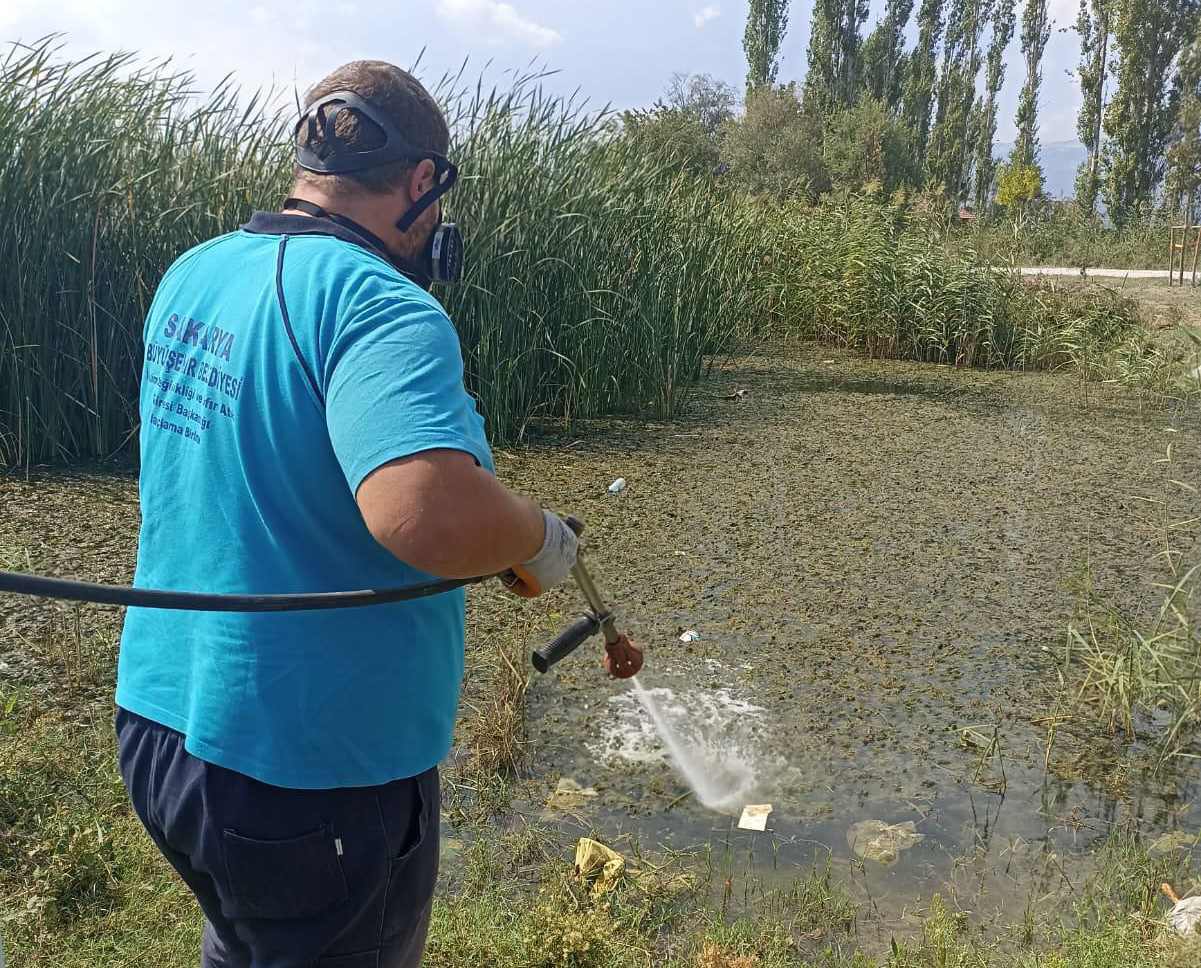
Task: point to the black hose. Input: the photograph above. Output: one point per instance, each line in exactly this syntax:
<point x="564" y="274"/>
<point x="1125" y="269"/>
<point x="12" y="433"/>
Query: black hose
<point x="83" y="591"/>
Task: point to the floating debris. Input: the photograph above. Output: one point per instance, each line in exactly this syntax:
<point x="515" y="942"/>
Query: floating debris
<point x="882" y="842"/>
<point x="691" y="635"/>
<point x="754" y="816"/>
<point x="1173" y="841"/>
<point x="570" y="796"/>
<point x="617" y="486"/>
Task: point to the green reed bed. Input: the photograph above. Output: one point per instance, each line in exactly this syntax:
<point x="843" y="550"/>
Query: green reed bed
<point x="599" y="279"/>
<point x="878" y="281"/>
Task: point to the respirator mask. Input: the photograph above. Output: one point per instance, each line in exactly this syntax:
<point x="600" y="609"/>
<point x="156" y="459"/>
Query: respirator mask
<point x="442" y="258"/>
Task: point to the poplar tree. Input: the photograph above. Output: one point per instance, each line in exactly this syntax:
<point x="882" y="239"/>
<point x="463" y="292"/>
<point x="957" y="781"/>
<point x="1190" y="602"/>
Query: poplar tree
<point x="1094" y="26"/>
<point x="821" y="77"/>
<point x="986" y="112"/>
<point x="947" y="159"/>
<point x="883" y="56"/>
<point x="1036" y="31"/>
<point x="1148" y="35"/>
<point x="766" y="23"/>
<point x="918" y="97"/>
<point x="834" y="48"/>
<point x="850" y="36"/>
<point x="1184" y="156"/>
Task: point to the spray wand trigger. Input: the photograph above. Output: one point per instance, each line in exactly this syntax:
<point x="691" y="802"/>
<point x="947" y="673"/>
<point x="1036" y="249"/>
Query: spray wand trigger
<point x="622" y="658"/>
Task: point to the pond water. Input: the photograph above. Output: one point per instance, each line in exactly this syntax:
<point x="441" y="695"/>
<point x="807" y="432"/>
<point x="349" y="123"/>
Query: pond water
<point x="881" y="561"/>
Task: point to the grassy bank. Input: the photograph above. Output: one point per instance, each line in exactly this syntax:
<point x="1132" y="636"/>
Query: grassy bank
<point x="1060" y="237"/>
<point x="598" y="279"/>
<point x="1140" y="671"/>
<point x="82" y="886"/>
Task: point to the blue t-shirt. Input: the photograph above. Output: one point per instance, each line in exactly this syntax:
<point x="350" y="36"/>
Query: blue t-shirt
<point x="284" y="363"/>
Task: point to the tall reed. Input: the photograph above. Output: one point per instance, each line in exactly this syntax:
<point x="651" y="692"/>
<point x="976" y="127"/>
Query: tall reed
<point x="599" y="278"/>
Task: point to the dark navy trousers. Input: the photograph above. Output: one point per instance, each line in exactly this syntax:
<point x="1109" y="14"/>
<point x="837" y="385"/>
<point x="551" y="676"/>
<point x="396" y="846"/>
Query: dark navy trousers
<point x="288" y="878"/>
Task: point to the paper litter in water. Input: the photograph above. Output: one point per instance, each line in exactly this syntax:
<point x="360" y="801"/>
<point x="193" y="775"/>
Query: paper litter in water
<point x="754" y="816"/>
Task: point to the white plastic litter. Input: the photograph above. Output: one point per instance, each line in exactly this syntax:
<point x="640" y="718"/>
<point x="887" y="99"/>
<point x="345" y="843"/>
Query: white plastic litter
<point x="754" y="816"/>
<point x="617" y="485"/>
<point x="1185" y="917"/>
<point x="690" y="636"/>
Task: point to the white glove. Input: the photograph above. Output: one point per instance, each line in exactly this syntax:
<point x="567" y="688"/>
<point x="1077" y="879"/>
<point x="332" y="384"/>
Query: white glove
<point x="550" y="565"/>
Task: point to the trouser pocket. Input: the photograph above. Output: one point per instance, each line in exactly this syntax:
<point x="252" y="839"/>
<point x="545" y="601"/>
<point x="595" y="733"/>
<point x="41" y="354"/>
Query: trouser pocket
<point x="294" y="877"/>
<point x="411" y="817"/>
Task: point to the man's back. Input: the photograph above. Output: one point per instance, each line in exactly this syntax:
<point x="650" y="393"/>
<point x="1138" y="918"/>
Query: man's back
<point x="282" y="366"/>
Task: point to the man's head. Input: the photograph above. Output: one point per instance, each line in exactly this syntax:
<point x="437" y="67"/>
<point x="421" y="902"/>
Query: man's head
<point x="377" y="196"/>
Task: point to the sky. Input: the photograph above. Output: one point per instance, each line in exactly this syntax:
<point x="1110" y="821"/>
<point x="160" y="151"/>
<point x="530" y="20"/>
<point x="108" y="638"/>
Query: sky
<point x="616" y="52"/>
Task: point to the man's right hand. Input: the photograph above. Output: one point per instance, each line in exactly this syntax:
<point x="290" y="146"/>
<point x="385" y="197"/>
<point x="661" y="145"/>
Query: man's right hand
<point x="550" y="565"/>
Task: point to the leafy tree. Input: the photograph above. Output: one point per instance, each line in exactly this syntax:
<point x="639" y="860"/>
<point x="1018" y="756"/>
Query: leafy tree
<point x="1148" y="34"/>
<point x="1184" y="156"/>
<point x="867" y="147"/>
<point x="766" y="23"/>
<point x="671" y="134"/>
<point x="985" y="126"/>
<point x="686" y="123"/>
<point x="883" y="56"/>
<point x="918" y="96"/>
<point x="709" y="100"/>
<point x="1036" y="31"/>
<point x="1093" y="24"/>
<point x="775" y="147"/>
<point x="947" y="161"/>
<point x="834" y="47"/>
<point x="1018" y="185"/>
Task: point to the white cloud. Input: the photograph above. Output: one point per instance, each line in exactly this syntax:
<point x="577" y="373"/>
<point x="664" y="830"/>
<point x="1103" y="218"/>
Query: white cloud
<point x="499" y="20"/>
<point x="711" y="12"/>
<point x="261" y="15"/>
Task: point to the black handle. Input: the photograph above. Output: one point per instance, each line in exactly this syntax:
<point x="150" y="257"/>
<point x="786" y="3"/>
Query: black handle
<point x="566" y="642"/>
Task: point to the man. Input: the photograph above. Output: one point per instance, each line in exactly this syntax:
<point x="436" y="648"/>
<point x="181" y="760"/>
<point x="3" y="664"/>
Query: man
<point x="305" y="428"/>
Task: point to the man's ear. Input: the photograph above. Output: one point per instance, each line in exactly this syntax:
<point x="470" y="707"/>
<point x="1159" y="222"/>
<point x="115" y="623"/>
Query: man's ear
<point x="421" y="179"/>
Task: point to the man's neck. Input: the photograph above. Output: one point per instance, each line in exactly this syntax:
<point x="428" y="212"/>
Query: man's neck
<point x="357" y="209"/>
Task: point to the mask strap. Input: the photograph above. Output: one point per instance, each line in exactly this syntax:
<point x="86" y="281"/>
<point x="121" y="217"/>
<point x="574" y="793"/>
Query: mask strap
<point x="444" y="170"/>
<point x="406" y="266"/>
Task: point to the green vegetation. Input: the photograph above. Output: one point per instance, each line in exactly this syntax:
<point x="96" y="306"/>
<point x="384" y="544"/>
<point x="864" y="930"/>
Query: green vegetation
<point x="1144" y="676"/>
<point x="597" y="278"/>
<point x="82" y="885"/>
<point x="602" y="276"/>
<point x="1036" y="234"/>
<point x="892" y="290"/>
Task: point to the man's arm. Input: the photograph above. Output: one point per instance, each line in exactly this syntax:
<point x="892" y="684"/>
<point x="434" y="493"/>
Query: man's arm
<point x="443" y="514"/>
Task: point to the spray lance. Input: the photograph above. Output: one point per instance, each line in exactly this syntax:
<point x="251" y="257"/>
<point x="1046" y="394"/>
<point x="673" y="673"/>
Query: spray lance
<point x="622" y="658"/>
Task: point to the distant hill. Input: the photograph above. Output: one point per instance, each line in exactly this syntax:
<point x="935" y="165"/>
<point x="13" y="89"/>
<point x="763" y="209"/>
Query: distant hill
<point x="1059" y="159"/>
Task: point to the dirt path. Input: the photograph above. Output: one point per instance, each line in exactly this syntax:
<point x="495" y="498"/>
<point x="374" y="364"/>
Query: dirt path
<point x="1094" y="273"/>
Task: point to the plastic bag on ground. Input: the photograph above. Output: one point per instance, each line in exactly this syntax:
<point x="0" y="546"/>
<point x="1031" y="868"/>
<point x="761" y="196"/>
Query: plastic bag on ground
<point x="597" y="863"/>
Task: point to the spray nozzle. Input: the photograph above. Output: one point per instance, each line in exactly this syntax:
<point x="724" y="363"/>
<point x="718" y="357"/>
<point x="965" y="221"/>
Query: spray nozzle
<point x="623" y="658"/>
